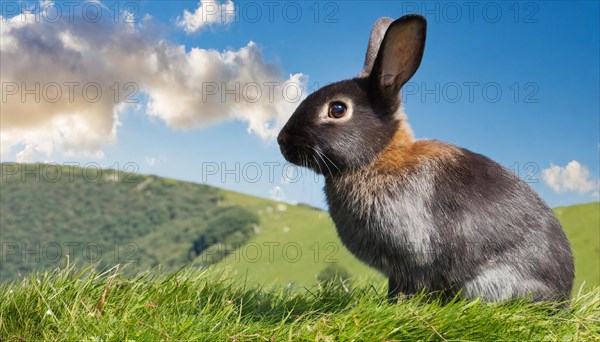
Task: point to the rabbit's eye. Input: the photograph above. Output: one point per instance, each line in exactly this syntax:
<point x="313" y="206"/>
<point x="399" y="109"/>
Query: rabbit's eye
<point x="337" y="110"/>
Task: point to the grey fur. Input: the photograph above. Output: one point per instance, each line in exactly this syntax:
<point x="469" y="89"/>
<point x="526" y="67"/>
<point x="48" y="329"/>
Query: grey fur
<point x="377" y="33"/>
<point x="451" y="222"/>
<point x="442" y="228"/>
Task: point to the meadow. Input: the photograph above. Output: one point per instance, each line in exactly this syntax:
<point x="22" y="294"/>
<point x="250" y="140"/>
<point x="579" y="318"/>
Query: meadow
<point x="84" y="305"/>
<point x="210" y="264"/>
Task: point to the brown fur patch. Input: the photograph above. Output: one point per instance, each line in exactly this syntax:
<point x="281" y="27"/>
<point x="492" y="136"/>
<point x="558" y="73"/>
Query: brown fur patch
<point x="403" y="153"/>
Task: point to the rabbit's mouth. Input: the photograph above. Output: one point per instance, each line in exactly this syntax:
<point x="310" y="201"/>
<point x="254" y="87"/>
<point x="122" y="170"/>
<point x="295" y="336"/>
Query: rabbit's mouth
<point x="296" y="150"/>
<point x="296" y="155"/>
<point x="293" y="148"/>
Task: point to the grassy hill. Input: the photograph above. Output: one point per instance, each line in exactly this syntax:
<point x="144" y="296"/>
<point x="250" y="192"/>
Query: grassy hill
<point x="106" y="217"/>
<point x="209" y="306"/>
<point x="47" y="213"/>
<point x="295" y="244"/>
<point x="582" y="225"/>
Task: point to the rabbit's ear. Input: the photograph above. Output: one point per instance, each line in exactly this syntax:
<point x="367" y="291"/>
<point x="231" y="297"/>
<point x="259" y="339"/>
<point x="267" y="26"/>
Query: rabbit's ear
<point x="377" y="33"/>
<point x="400" y="54"/>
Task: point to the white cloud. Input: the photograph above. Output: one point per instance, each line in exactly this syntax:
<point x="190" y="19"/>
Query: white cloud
<point x="204" y="86"/>
<point x="66" y="64"/>
<point x="572" y="177"/>
<point x="29" y="154"/>
<point x="277" y="193"/>
<point x="153" y="161"/>
<point x="208" y="13"/>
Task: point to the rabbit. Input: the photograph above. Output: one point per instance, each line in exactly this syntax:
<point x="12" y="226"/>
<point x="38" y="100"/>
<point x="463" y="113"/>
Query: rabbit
<point x="431" y="216"/>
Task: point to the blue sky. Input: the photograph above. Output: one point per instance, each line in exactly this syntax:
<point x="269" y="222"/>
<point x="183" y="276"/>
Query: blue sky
<point x="518" y="82"/>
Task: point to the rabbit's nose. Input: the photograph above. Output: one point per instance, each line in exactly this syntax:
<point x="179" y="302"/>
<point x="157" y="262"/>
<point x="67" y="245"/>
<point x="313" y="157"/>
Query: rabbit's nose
<point x="281" y="138"/>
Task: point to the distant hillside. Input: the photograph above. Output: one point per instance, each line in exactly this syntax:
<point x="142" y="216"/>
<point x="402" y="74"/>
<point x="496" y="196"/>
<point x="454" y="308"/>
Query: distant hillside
<point x="294" y="246"/>
<point x="582" y="225"/>
<point x="155" y="221"/>
<point x="108" y="217"/>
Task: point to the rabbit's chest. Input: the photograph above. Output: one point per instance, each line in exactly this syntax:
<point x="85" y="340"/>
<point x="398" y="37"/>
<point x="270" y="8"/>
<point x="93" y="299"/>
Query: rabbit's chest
<point x="384" y="221"/>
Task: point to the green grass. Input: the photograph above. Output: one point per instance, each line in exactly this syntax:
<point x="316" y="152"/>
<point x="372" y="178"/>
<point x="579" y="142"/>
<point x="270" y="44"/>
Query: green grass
<point x="294" y="245"/>
<point x="204" y="305"/>
<point x="582" y="226"/>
